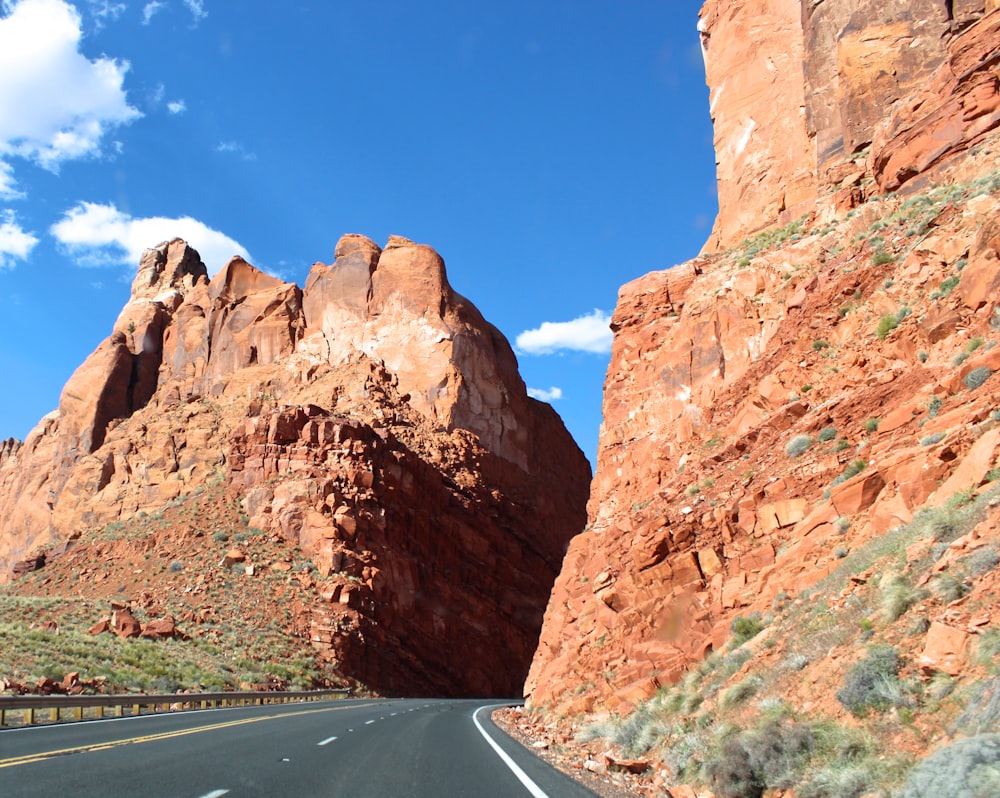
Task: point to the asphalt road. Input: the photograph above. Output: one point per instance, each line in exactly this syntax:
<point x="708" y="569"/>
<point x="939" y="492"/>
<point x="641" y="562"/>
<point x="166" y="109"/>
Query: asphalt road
<point x="354" y="747"/>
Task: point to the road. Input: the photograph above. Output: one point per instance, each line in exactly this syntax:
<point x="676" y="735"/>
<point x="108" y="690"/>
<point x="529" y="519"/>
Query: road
<point x="356" y="747"/>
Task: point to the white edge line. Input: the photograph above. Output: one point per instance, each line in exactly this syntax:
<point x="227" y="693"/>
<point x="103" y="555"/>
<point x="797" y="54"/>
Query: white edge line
<point x="523" y="777"/>
<point x="327" y="741"/>
<point x="215" y="794"/>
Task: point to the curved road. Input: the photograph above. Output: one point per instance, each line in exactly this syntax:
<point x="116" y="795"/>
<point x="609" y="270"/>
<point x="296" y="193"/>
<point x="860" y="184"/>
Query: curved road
<point x="355" y="748"/>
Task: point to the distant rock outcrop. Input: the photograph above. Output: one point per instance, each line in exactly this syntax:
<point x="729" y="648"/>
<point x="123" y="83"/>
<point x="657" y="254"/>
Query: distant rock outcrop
<point x="375" y="422"/>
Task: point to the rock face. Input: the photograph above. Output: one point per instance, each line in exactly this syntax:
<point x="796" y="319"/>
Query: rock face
<point x="827" y="102"/>
<point x="374" y="422"/>
<point x="815" y="385"/>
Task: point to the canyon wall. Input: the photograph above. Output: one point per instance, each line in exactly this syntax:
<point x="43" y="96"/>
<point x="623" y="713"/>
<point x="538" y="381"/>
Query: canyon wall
<point x="794" y="391"/>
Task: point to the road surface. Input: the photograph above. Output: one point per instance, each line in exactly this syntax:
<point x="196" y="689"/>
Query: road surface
<point x="355" y="747"/>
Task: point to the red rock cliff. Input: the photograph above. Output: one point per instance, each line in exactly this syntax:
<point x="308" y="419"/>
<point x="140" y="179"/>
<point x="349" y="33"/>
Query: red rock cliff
<point x="851" y="321"/>
<point x="801" y="93"/>
<point x="374" y="422"/>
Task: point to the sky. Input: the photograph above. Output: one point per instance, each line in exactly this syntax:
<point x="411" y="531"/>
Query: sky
<point x="550" y="152"/>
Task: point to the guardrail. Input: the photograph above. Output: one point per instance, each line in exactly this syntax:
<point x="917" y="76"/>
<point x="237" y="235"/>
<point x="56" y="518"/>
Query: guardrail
<point x="30" y="706"/>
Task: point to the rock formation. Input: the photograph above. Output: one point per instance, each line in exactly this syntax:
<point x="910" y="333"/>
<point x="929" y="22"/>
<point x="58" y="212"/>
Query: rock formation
<point x="374" y="422"/>
<point x="803" y="93"/>
<point x="802" y="390"/>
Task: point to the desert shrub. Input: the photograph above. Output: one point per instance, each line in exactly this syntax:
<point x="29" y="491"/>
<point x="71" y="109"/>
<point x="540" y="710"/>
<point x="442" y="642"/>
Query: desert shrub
<point x="692" y="490"/>
<point x="950" y="587"/>
<point x="840" y="445"/>
<point x="839" y="780"/>
<point x="898" y="595"/>
<point x="871" y="424"/>
<point x="886" y="325"/>
<point x="854" y="468"/>
<point x="881" y="257"/>
<point x="219" y="536"/>
<point x="982" y="710"/>
<point x="863" y="688"/>
<point x="981" y="561"/>
<point x="930" y="440"/>
<point x="744" y="627"/>
<point x="732" y="775"/>
<point x="740" y="692"/>
<point x="977" y="377"/>
<point x="827" y="434"/>
<point x="769" y="757"/>
<point x="819" y="345"/>
<point x="968" y="768"/>
<point x="176" y="566"/>
<point x="798" y="445"/>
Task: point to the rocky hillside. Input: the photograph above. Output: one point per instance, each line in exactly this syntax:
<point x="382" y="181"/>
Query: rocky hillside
<point x="367" y="442"/>
<point x="801" y="424"/>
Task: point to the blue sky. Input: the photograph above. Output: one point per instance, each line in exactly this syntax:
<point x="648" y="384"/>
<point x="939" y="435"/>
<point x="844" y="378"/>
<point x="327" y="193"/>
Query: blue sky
<point x="549" y="151"/>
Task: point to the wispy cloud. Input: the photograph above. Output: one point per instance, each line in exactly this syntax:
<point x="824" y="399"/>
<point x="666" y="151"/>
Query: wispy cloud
<point x="101" y="235"/>
<point x="55" y="104"/>
<point x="235" y="148"/>
<point x="150" y="10"/>
<point x="550" y="395"/>
<point x="197" y="9"/>
<point x="15" y="243"/>
<point x="589" y="333"/>
<point x="176" y="107"/>
<point x="105" y="11"/>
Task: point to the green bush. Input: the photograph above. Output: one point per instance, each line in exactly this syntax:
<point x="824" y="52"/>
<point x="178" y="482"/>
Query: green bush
<point x="930" y="440"/>
<point x="798" y="445"/>
<point x="854" y="468"/>
<point x="881" y="257"/>
<point x="827" y="434"/>
<point x="871" y="424"/>
<point x="977" y="377"/>
<point x="968" y="768"/>
<point x="864" y="685"/>
<point x="745" y="627"/>
<point x="886" y="325"/>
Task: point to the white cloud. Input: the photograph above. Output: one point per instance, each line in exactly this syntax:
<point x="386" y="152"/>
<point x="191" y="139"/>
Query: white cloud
<point x="236" y="148"/>
<point x="101" y="235"/>
<point x="197" y="9"/>
<point x="55" y="104"/>
<point x="7" y="182"/>
<point x="104" y="10"/>
<point x="176" y="107"/>
<point x="584" y="334"/>
<point x="542" y="395"/>
<point x="15" y="244"/>
<point x="150" y="10"/>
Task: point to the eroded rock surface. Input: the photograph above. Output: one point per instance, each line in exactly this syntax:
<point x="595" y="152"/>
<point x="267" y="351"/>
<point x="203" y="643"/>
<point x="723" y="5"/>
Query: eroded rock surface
<point x="374" y="422"/>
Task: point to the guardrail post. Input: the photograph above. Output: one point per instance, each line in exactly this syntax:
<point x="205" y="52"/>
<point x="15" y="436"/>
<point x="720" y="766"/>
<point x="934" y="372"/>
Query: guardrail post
<point x="54" y="714"/>
<point x="29" y="716"/>
<point x="119" y="710"/>
<point x="136" y="709"/>
<point x="78" y="712"/>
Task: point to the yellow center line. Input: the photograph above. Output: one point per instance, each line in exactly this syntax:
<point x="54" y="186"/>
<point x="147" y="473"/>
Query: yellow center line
<point x="27" y="759"/>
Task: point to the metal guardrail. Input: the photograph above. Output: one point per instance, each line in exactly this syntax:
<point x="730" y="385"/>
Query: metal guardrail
<point x="30" y="706"/>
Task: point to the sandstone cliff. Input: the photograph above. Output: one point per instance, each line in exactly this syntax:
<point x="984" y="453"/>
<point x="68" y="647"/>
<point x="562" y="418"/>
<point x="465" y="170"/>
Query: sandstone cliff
<point x="374" y="422"/>
<point x="785" y="398"/>
<point x="813" y="99"/>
